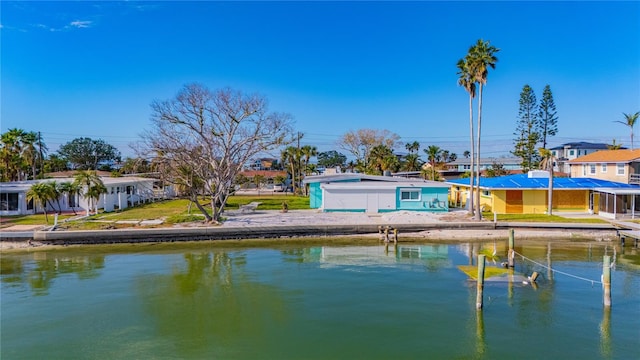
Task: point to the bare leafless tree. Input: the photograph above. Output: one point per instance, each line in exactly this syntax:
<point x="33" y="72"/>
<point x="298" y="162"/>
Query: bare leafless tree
<point x="205" y="137"/>
<point x="360" y="142"/>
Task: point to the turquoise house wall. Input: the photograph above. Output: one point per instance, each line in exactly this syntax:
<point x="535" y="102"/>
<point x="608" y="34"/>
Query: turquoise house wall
<point x="431" y="199"/>
<point x="315" y="195"/>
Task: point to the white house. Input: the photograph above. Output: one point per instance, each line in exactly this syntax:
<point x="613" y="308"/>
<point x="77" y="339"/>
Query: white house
<point x="373" y="194"/>
<point x="122" y="192"/>
<point x="566" y="152"/>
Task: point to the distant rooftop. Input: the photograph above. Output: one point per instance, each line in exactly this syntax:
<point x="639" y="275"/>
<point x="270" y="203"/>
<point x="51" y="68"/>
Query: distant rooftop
<point x="611" y="156"/>
<point x="488" y="160"/>
<point x="583" y="145"/>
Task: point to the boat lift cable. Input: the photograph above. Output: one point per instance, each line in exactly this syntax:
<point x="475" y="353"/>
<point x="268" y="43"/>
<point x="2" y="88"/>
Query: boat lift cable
<point x="558" y="271"/>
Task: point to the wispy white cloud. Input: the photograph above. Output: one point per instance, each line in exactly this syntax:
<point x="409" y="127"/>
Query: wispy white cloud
<point x="80" y="24"/>
<point x="76" y="24"/>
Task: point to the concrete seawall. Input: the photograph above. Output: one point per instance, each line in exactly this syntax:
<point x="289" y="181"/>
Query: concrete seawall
<point x="262" y="232"/>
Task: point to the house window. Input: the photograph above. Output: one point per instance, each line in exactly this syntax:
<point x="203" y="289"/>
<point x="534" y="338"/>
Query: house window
<point x="571" y="152"/>
<point x="9" y="202"/>
<point x="30" y="204"/>
<point x="410" y="195"/>
<point x="486" y="193"/>
<point x="554" y="153"/>
<point x="604" y="168"/>
<point x="584" y="170"/>
<point x="620" y="169"/>
<point x="592" y="169"/>
<point x="466" y="167"/>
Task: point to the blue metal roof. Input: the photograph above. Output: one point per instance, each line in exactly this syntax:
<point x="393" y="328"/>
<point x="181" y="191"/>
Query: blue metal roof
<point x="522" y="181"/>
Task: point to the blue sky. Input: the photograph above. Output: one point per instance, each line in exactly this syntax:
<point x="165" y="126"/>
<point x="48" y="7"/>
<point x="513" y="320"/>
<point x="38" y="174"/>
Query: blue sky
<point x="72" y="69"/>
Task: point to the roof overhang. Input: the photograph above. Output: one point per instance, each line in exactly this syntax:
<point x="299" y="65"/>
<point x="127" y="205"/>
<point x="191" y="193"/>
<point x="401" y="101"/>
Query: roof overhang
<point x="621" y="191"/>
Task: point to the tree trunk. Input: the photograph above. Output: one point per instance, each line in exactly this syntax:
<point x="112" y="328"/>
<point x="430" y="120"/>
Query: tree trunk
<point x="473" y="151"/>
<point x="550" y="191"/>
<point x="194" y="199"/>
<point x="478" y="214"/>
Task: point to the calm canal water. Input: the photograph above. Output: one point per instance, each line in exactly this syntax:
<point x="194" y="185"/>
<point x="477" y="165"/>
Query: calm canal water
<point x="314" y="302"/>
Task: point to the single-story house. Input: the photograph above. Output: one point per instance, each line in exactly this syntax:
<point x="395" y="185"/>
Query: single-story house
<point x="122" y="192"/>
<point x="373" y="194"/>
<point x="527" y="194"/>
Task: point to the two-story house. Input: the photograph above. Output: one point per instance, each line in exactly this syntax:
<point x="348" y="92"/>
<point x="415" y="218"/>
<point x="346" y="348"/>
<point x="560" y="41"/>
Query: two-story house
<point x="613" y="165"/>
<point x="462" y="165"/>
<point x="573" y="150"/>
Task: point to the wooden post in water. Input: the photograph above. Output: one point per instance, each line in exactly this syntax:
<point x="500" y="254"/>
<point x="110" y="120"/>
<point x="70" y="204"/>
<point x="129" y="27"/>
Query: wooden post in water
<point x="395" y="236"/>
<point x="605" y="333"/>
<point x="606" y="280"/>
<point x="380" y="233"/>
<point x="480" y="286"/>
<point x="386" y="234"/>
<point x="511" y="254"/>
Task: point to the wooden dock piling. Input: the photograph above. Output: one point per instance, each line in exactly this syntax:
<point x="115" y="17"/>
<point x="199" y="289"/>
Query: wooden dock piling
<point x="480" y="286"/>
<point x="606" y="280"/>
<point x="511" y="254"/>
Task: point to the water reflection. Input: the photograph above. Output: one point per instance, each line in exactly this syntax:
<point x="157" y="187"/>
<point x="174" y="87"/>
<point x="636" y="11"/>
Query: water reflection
<point x="432" y="257"/>
<point x="43" y="268"/>
<point x="209" y="301"/>
<point x="316" y="303"/>
<point x="605" y="333"/>
<point x="481" y="345"/>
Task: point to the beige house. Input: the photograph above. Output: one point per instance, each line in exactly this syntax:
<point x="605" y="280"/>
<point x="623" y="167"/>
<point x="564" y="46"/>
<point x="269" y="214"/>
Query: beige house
<point x="613" y="165"/>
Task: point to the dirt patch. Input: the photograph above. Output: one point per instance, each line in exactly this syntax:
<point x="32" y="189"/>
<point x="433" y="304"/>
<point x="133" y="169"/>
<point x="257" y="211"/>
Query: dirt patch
<point x="23" y="227"/>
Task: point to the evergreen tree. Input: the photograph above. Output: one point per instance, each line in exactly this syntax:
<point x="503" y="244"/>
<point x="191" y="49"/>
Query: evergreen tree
<point x="548" y="120"/>
<point x="527" y="135"/>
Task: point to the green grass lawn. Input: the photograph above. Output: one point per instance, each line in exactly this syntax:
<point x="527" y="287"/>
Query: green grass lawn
<point x="172" y="211"/>
<point x="150" y="211"/>
<point x="269" y="202"/>
<point x="38" y="219"/>
<point x="541" y="218"/>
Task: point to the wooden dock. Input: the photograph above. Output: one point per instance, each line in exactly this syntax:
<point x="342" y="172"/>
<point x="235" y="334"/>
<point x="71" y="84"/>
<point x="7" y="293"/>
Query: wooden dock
<point x="629" y="234"/>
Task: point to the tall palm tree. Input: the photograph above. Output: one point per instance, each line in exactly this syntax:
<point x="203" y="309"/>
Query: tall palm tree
<point x="54" y="189"/>
<point x="378" y="161"/>
<point x="547" y="164"/>
<point x="614" y="145"/>
<point x="41" y="194"/>
<point x="480" y="58"/>
<point x="467" y="81"/>
<point x="630" y="121"/>
<point x="290" y="156"/>
<point x="412" y="147"/>
<point x="307" y="151"/>
<point x="92" y="186"/>
<point x="412" y="162"/>
<point x="13" y="161"/>
<point x="434" y="156"/>
<point x="71" y="190"/>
